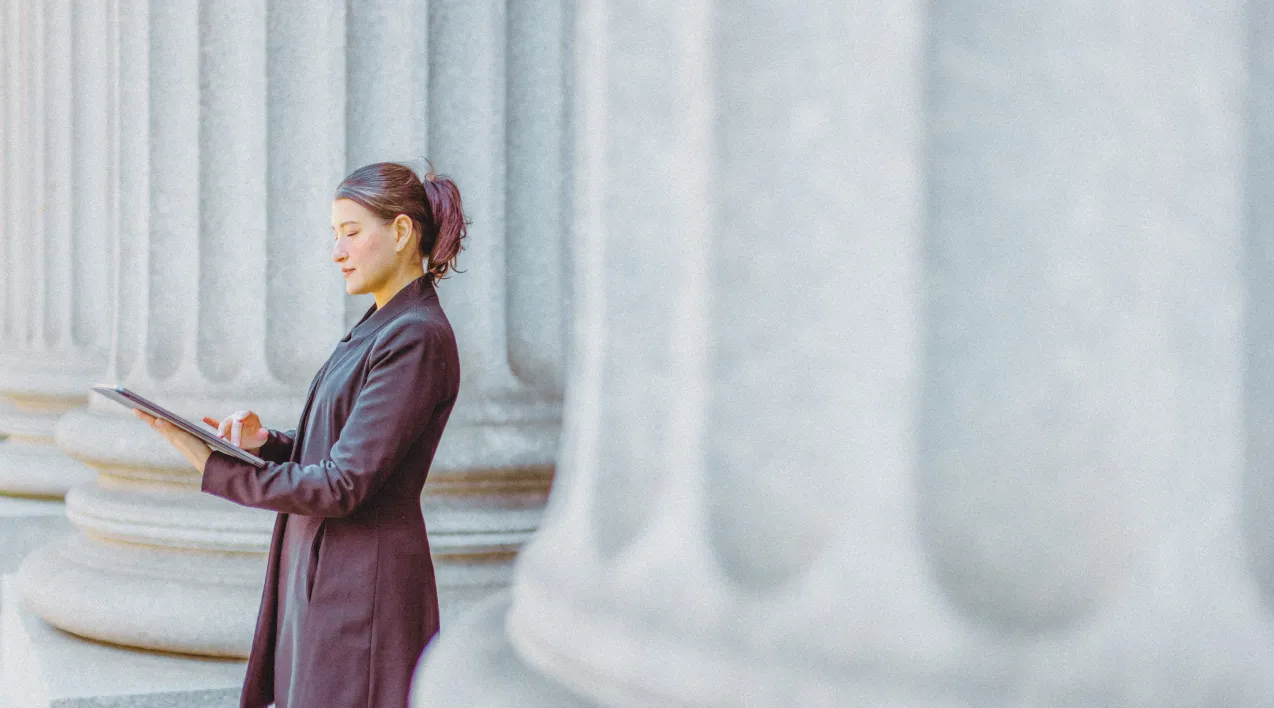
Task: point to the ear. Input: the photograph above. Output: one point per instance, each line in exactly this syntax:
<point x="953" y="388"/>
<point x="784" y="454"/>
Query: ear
<point x="402" y="231"/>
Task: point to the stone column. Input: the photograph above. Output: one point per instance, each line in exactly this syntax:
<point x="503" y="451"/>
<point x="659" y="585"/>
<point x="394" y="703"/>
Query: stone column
<point x="496" y="125"/>
<point x="708" y="477"/>
<point x="58" y="280"/>
<point x="694" y="476"/>
<point x="16" y="33"/>
<point x="9" y="19"/>
<point x="885" y="383"/>
<point x="226" y="299"/>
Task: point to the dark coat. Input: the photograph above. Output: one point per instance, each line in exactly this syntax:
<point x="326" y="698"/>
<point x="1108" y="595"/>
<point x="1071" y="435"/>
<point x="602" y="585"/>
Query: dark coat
<point x="350" y="475"/>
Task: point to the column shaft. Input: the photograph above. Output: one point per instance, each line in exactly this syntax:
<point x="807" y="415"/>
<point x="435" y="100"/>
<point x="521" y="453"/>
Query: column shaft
<point x="490" y="478"/>
<point x="709" y="440"/>
<point x="194" y="237"/>
<point x="8" y="19"/>
<point x="374" y="134"/>
<point x="307" y="128"/>
<point x="59" y="226"/>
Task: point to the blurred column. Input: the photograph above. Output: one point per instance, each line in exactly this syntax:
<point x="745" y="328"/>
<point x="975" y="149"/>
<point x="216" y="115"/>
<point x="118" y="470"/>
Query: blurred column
<point x="1080" y="453"/>
<point x="57" y="279"/>
<point x="496" y="125"/>
<point x="214" y="312"/>
<point x="878" y="385"/>
<point x="711" y="479"/>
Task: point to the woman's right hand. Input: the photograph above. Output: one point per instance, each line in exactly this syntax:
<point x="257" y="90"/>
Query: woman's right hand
<point x="243" y="428"/>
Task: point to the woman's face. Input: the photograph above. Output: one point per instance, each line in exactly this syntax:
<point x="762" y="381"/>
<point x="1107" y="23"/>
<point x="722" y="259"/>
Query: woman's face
<point x="363" y="246"/>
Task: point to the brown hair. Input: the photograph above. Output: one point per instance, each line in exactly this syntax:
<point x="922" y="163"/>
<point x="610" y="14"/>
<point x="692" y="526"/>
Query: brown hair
<point x="388" y="189"/>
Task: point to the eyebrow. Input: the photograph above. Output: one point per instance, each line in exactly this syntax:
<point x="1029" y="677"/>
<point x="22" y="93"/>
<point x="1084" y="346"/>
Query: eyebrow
<point x="344" y="223"/>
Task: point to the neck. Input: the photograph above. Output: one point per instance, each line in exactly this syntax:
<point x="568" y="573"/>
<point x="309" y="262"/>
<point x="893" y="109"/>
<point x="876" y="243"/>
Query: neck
<point x="397" y="282"/>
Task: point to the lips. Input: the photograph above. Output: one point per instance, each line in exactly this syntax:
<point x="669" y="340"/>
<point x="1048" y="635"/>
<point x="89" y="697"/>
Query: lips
<point x="346" y="271"/>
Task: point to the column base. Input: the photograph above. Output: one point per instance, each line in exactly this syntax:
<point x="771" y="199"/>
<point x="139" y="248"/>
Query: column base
<point x="471" y="664"/>
<point x="43" y="667"/>
<point x="191" y="602"/>
<point x="627" y="660"/>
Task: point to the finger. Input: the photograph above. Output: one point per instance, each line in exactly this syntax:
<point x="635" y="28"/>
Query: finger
<point x="236" y="431"/>
<point x="211" y="421"/>
<point x="223" y="428"/>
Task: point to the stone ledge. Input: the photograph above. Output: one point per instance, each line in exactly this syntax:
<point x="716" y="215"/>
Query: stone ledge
<point x="27" y="524"/>
<point x="38" y="469"/>
<point x="23" y="506"/>
<point x="47" y="668"/>
<point x="186" y="602"/>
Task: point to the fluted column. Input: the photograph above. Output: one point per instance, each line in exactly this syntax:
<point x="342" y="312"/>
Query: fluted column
<point x="8" y="97"/>
<point x="698" y="488"/>
<point x="17" y="155"/>
<point x="226" y="299"/>
<point x="495" y="107"/>
<point x="716" y="480"/>
<point x="888" y="386"/>
<point x="58" y="230"/>
<point x="373" y="133"/>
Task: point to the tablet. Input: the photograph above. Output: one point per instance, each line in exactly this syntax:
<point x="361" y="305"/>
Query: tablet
<point x="129" y="399"/>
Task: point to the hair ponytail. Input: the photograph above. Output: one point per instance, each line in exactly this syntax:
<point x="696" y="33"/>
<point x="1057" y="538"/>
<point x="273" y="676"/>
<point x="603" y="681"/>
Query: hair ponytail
<point x="449" y="221"/>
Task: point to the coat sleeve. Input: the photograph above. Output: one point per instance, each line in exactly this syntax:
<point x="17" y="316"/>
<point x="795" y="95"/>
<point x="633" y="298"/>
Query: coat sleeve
<point x="404" y="383"/>
<point x="278" y="447"/>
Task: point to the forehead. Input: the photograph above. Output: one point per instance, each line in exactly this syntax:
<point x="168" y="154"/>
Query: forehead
<point x="344" y="210"/>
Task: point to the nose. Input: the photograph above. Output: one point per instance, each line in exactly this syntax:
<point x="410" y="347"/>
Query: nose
<point x="338" y="253"/>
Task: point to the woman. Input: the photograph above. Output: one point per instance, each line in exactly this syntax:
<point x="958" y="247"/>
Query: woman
<point x="350" y="599"/>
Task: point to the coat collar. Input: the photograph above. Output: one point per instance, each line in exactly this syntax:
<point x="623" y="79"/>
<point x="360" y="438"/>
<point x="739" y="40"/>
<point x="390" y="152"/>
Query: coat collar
<point x="411" y="294"/>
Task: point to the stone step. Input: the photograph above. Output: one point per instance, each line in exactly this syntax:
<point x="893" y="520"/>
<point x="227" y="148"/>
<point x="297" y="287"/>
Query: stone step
<point x="25" y="524"/>
<point x="45" y="667"/>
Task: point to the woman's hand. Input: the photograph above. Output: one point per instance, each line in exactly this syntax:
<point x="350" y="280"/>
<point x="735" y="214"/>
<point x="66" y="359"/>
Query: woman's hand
<point x="242" y="429"/>
<point x="191" y="447"/>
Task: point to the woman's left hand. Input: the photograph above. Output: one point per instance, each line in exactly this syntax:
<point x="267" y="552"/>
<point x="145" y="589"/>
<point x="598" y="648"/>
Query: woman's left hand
<point x="191" y="447"/>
